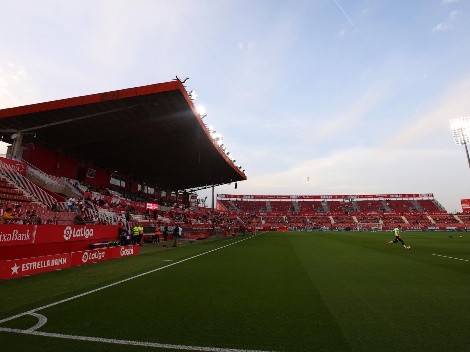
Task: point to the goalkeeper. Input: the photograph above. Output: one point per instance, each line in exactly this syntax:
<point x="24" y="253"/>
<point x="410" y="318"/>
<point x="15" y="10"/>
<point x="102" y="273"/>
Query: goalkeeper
<point x="397" y="231"/>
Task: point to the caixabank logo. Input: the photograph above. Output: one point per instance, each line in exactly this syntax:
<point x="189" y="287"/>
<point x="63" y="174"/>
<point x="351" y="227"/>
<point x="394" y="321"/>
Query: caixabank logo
<point x="74" y="232"/>
<point x="15" y="235"/>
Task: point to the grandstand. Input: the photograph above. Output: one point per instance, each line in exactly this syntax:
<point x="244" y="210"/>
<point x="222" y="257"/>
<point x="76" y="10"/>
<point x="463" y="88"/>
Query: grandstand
<point x="69" y="168"/>
<point x="344" y="212"/>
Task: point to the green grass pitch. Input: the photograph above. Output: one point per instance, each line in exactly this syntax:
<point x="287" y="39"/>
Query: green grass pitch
<point x="297" y="291"/>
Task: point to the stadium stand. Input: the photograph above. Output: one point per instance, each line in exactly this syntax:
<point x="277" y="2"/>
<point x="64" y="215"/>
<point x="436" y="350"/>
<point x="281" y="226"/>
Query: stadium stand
<point x="399" y="206"/>
<point x="311" y="206"/>
<point x="371" y="206"/>
<point x="346" y="212"/>
<point x="429" y="206"/>
<point x="281" y="206"/>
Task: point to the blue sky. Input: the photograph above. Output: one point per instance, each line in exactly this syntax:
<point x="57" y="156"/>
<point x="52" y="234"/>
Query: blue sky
<point x="312" y="97"/>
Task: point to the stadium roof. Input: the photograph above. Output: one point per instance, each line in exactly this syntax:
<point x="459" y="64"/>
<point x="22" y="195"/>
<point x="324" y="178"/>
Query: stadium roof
<point x="151" y="134"/>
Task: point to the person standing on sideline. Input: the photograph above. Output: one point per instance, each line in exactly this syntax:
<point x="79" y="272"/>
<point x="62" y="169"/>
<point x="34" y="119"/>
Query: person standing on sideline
<point x="156" y="236"/>
<point x="122" y="231"/>
<point x="165" y="235"/>
<point x="176" y="233"/>
<point x="397" y="231"/>
<point x="135" y="234"/>
<point x="141" y="234"/>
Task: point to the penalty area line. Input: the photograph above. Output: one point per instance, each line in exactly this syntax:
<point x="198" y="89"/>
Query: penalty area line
<point x="126" y="342"/>
<point x="29" y="312"/>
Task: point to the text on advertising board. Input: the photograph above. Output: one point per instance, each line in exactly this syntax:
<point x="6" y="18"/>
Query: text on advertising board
<point x="74" y="232"/>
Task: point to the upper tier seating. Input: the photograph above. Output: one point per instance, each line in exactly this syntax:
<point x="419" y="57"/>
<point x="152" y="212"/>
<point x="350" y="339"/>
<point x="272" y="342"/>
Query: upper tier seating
<point x="281" y="206"/>
<point x="309" y="206"/>
<point x="429" y="206"/>
<point x="400" y="206"/>
<point x="370" y="206"/>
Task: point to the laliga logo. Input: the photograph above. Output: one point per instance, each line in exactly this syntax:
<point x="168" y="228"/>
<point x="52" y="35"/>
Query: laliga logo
<point x="67" y="233"/>
<point x="70" y="232"/>
<point x="92" y="256"/>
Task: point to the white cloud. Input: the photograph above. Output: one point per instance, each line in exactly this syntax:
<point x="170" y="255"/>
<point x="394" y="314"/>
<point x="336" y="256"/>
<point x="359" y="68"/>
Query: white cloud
<point x="15" y="86"/>
<point x="246" y="45"/>
<point x="447" y="24"/>
<point x="350" y="116"/>
<point x="341" y="34"/>
<point x="445" y="2"/>
<point x="431" y="124"/>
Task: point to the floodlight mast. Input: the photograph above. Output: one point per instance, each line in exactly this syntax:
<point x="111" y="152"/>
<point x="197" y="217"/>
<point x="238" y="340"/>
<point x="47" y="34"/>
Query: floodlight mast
<point x="461" y="132"/>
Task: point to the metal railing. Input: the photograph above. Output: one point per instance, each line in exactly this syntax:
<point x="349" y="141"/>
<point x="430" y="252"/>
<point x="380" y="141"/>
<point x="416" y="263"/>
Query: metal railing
<point x="21" y="182"/>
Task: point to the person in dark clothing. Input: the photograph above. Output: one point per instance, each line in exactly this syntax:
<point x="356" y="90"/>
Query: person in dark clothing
<point x="165" y="235"/>
<point x="176" y="234"/>
<point x="122" y="232"/>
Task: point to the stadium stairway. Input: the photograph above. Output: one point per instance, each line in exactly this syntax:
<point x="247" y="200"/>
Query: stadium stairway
<point x="456" y="217"/>
<point x="431" y="219"/>
<point x="405" y="220"/>
<point x="385" y="206"/>
<point x="232" y="206"/>
<point x="53" y="187"/>
<point x="416" y="205"/>
<point x="296" y="206"/>
<point x="28" y="187"/>
<point x="268" y="206"/>
<point x="355" y="206"/>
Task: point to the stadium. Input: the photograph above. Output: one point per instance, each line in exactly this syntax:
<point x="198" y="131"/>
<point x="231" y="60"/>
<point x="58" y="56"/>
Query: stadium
<point x="90" y="260"/>
<point x="309" y="197"/>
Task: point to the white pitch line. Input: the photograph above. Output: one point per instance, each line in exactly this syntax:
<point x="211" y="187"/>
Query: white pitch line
<point x="126" y="342"/>
<point x="455" y="258"/>
<point x="41" y="321"/>
<point x="29" y="312"/>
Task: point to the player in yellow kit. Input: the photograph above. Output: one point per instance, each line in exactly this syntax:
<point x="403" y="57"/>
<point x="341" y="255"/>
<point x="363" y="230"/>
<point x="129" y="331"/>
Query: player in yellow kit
<point x="397" y="231"/>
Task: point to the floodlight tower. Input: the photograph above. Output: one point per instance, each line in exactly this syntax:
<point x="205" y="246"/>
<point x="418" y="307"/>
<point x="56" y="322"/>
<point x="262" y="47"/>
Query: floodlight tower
<point x="461" y="132"/>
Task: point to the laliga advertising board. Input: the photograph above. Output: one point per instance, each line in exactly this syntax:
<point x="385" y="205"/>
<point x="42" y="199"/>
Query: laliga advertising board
<point x="101" y="254"/>
<point x="58" y="233"/>
<point x="10" y="269"/>
<point x="32" y="249"/>
<point x="18" y="235"/>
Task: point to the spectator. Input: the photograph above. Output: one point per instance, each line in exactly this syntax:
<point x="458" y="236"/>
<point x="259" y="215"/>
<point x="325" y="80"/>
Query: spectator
<point x="78" y="220"/>
<point x="122" y="232"/>
<point x="70" y="204"/>
<point x="156" y="236"/>
<point x="8" y="216"/>
<point x="55" y="206"/>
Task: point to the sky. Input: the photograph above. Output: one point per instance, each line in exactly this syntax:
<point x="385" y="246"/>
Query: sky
<point x="312" y="97"/>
